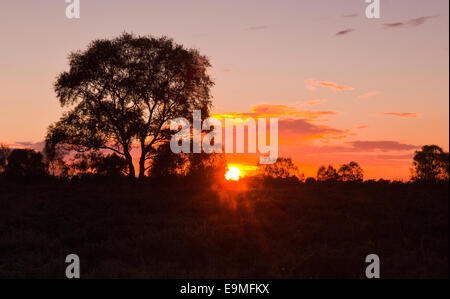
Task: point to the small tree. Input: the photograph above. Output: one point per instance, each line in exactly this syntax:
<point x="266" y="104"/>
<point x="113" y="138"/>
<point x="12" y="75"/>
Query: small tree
<point x="167" y="164"/>
<point x="351" y="172"/>
<point x="25" y="163"/>
<point x="327" y="174"/>
<point x="431" y="163"/>
<point x="4" y="153"/>
<point x="111" y="165"/>
<point x="283" y="168"/>
<point x="207" y="166"/>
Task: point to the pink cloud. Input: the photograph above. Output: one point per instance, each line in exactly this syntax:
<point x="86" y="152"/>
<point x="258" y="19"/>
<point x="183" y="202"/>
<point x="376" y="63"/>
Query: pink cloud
<point x="344" y="32"/>
<point x="331" y="85"/>
<point x="290" y="129"/>
<point x="316" y="102"/>
<point x="401" y="114"/>
<point x="281" y="111"/>
<point x="368" y="95"/>
<point x="410" y="23"/>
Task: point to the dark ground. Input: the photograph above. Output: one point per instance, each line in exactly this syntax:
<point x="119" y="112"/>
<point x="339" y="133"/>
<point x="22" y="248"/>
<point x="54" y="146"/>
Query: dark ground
<point x="178" y="230"/>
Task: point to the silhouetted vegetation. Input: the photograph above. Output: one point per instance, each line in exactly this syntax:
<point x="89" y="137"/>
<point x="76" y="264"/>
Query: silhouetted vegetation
<point x="183" y="229"/>
<point x="283" y="168"/>
<point x="431" y="164"/>
<point x="124" y="91"/>
<point x="350" y="172"/>
<point x="4" y="153"/>
<point x="327" y="174"/>
<point x="23" y="163"/>
<point x="184" y="220"/>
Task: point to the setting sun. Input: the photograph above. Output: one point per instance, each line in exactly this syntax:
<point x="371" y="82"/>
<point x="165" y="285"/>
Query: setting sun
<point x="233" y="174"/>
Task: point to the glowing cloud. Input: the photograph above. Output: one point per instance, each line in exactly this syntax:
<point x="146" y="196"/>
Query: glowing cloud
<point x="402" y="114"/>
<point x="331" y="85"/>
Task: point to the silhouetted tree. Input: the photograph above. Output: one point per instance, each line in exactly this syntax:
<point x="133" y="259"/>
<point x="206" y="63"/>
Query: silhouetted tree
<point x="431" y="163"/>
<point x="4" y="153"/>
<point x="54" y="156"/>
<point x="283" y="168"/>
<point x="351" y="172"/>
<point x="207" y="166"/>
<point x="25" y="163"/>
<point x="327" y="174"/>
<point x="310" y="180"/>
<point x="108" y="165"/>
<point x="165" y="163"/>
<point x="124" y="91"/>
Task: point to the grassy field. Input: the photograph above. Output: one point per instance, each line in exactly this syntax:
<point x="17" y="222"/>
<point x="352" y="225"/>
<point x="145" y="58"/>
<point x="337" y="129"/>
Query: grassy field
<point x="247" y="230"/>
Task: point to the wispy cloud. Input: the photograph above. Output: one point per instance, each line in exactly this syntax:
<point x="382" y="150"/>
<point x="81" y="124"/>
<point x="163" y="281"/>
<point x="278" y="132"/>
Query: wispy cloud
<point x="296" y="130"/>
<point x="410" y="23"/>
<point x="315" y="102"/>
<point x="295" y="126"/>
<point x="381" y="145"/>
<point x="344" y="32"/>
<point x="401" y="114"/>
<point x="360" y="146"/>
<point x="38" y="146"/>
<point x="368" y="95"/>
<point x="280" y="111"/>
<point x="331" y="85"/>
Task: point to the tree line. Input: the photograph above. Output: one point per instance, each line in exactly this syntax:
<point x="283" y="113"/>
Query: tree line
<point x="430" y="164"/>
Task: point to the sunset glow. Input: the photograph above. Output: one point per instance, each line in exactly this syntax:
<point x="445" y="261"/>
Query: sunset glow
<point x="376" y="105"/>
<point x="233" y="174"/>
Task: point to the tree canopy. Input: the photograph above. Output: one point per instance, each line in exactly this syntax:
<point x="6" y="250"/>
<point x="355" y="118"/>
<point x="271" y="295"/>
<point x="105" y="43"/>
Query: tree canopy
<point x="122" y="92"/>
<point x="283" y="168"/>
<point x="25" y="163"/>
<point x="350" y="172"/>
<point x="431" y="163"/>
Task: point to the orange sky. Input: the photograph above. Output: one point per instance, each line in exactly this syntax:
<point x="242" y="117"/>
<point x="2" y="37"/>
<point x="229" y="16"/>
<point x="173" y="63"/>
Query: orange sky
<point x="345" y="87"/>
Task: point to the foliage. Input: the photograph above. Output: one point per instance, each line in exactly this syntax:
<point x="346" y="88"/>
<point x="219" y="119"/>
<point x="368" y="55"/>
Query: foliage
<point x="283" y="168"/>
<point x="327" y="174"/>
<point x="351" y="172"/>
<point x="25" y="163"/>
<point x="431" y="164"/>
<point x="200" y="166"/>
<point x="124" y="91"/>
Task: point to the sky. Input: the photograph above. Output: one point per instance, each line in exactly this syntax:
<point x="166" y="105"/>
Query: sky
<point x="344" y="87"/>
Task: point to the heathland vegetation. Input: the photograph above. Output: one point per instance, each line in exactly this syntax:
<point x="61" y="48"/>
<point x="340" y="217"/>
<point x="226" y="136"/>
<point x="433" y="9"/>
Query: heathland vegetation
<point x="174" y="215"/>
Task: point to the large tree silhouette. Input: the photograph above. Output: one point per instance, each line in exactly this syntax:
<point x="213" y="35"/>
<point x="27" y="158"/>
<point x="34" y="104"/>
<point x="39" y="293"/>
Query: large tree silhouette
<point x="122" y="92"/>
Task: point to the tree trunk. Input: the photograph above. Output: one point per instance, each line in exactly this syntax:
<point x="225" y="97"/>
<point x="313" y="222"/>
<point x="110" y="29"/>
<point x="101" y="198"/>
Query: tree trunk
<point x="142" y="167"/>
<point x="131" y="171"/>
